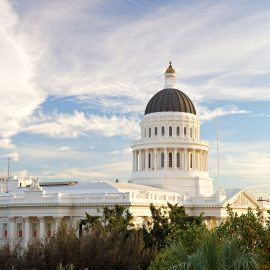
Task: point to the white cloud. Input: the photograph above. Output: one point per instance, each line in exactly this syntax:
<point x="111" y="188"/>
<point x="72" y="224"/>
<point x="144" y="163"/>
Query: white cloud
<point x="106" y="171"/>
<point x="14" y="156"/>
<point x="206" y="114"/>
<point x="64" y="148"/>
<point x="77" y="124"/>
<point x="122" y="61"/>
<point x="242" y="163"/>
<point x="19" y="93"/>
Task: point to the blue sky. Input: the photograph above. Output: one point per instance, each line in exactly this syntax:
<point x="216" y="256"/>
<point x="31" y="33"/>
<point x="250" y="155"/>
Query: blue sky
<point x="75" y="77"/>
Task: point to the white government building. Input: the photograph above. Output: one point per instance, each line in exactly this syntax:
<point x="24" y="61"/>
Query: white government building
<point x="170" y="164"/>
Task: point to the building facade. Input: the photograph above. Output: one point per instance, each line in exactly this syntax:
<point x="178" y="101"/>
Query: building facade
<point x="170" y="164"/>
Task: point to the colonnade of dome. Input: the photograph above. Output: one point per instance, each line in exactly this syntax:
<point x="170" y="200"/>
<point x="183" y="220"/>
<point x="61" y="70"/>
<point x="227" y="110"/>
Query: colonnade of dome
<point x="168" y="158"/>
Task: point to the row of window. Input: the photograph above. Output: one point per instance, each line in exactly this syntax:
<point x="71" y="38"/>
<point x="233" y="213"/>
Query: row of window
<point x="170" y="160"/>
<point x="170" y="132"/>
<point x="20" y="230"/>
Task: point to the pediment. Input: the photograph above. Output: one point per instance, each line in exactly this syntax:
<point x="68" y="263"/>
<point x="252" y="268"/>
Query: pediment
<point x="242" y="200"/>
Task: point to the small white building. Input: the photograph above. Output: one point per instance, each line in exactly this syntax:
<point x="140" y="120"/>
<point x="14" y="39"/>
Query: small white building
<point x="170" y="164"/>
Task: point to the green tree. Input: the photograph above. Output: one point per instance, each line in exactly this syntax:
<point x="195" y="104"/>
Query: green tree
<point x="248" y="229"/>
<point x="170" y="223"/>
<point x="211" y="254"/>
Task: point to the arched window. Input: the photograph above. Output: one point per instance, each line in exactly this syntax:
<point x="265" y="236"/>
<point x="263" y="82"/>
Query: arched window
<point x="190" y="133"/>
<point x="162" y="160"/>
<point x="178" y="160"/>
<point x="162" y="131"/>
<point x="170" y="160"/>
<point x="149" y="132"/>
<point x="170" y="131"/>
<point x="149" y="161"/>
<point x="178" y="131"/>
<point x="155" y="131"/>
<point x="185" y="131"/>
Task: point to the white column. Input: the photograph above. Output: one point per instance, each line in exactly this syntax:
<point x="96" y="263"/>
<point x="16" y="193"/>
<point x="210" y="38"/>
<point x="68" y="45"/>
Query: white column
<point x="155" y="159"/>
<point x="181" y="153"/>
<point x="146" y="160"/>
<point x="186" y="158"/>
<point x="206" y="165"/>
<point x="199" y="160"/>
<point x="175" y="159"/>
<point x="11" y="231"/>
<point x="193" y="160"/>
<point x="26" y="231"/>
<point x="133" y="161"/>
<point x="41" y="228"/>
<point x="165" y="158"/>
<point x="202" y="160"/>
<point x="139" y="160"/>
<point x="57" y="221"/>
<point x="136" y="161"/>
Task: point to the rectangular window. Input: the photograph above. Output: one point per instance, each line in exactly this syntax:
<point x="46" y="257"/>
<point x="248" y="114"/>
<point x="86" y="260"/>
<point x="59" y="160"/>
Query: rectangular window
<point x="34" y="230"/>
<point x="162" y="160"/>
<point x="155" y="131"/>
<point x="178" y="160"/>
<point x="185" y="131"/>
<point x="19" y="230"/>
<point x="190" y="132"/>
<point x="162" y="131"/>
<point x="49" y="229"/>
<point x="178" y="131"/>
<point x="170" y="131"/>
<point x="149" y="132"/>
<point x="170" y="160"/>
<point x="5" y="232"/>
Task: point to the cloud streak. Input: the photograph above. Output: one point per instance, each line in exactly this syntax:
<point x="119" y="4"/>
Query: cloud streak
<point x="59" y="125"/>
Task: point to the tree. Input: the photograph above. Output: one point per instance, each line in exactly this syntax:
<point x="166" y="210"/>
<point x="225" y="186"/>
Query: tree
<point x="211" y="254"/>
<point x="170" y="223"/>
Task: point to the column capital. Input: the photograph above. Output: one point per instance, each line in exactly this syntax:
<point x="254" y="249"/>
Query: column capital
<point x="26" y="219"/>
<point x="11" y="219"/>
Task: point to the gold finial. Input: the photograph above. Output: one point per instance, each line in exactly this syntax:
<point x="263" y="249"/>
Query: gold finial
<point x="170" y="69"/>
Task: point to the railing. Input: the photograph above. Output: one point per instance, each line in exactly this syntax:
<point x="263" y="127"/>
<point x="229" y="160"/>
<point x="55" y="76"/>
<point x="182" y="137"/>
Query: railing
<point x="98" y="198"/>
<point x="171" y="140"/>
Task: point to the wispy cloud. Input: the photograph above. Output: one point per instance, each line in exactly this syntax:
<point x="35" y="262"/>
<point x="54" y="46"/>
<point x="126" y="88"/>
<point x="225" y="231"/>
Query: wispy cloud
<point x="242" y="164"/>
<point x="19" y="92"/>
<point x="96" y="53"/>
<point x="59" y="125"/>
<point x="206" y="114"/>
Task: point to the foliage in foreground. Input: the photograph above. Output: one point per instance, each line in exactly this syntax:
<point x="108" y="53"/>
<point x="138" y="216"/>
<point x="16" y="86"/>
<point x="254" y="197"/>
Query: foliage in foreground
<point x="171" y="240"/>
<point x="212" y="254"/>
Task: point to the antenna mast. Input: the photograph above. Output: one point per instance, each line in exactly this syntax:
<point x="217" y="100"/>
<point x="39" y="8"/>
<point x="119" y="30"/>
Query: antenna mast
<point x="218" y="169"/>
<point x="8" y="172"/>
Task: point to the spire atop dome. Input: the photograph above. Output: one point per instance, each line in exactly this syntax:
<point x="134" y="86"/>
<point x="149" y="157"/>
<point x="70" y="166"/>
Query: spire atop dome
<point x="170" y="69"/>
<point x="170" y="77"/>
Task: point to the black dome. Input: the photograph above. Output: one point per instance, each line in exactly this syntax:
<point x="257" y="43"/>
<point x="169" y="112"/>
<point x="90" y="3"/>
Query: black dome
<point x="170" y="100"/>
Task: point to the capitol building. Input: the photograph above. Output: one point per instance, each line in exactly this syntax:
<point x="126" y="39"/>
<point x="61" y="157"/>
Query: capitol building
<point x="169" y="164"/>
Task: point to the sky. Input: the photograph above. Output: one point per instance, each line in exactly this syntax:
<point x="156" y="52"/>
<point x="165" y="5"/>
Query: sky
<point x="76" y="76"/>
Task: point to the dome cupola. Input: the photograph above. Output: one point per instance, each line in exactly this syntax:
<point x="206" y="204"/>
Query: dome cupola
<point x="170" y="76"/>
<point x="170" y="99"/>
